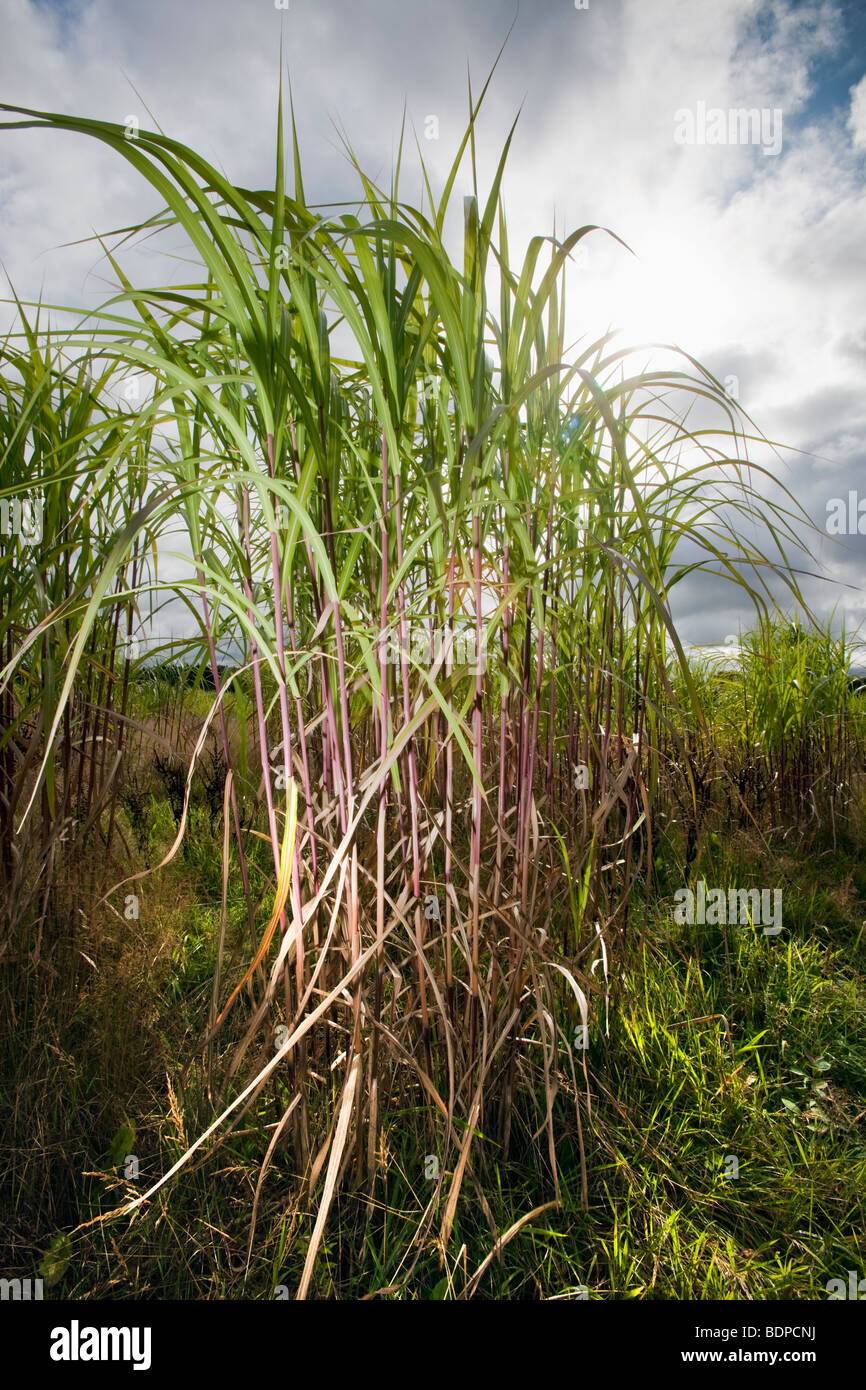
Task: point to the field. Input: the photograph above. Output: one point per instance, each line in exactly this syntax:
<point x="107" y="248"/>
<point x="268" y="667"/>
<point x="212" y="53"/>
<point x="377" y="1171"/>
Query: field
<point x="392" y="907"/>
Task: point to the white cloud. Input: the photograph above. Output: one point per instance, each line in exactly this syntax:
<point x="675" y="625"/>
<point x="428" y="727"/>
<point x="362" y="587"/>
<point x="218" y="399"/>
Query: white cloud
<point x="755" y="264"/>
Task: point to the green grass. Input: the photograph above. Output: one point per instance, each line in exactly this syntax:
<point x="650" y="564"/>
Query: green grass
<point x="778" y="1083"/>
<point x="354" y="428"/>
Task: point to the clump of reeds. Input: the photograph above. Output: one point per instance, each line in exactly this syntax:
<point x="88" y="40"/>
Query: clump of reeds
<point x="434" y="548"/>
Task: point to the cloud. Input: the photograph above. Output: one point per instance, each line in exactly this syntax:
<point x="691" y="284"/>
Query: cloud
<point x="755" y="264"/>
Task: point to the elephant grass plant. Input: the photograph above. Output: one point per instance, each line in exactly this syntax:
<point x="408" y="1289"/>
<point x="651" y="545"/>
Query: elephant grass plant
<point x="428" y="551"/>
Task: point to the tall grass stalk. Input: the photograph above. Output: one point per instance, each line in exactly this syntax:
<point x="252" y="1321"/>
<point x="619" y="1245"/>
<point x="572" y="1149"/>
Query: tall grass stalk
<point x="359" y="448"/>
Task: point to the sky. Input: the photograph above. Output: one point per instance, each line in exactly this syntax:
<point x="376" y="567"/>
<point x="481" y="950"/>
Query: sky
<point x="749" y="244"/>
